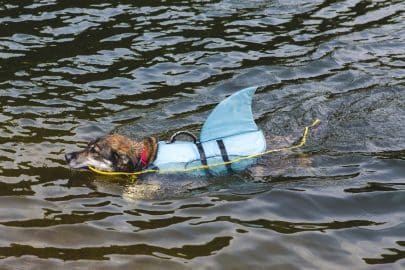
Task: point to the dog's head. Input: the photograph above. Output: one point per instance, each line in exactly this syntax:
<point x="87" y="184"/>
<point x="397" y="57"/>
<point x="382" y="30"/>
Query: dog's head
<point x="114" y="153"/>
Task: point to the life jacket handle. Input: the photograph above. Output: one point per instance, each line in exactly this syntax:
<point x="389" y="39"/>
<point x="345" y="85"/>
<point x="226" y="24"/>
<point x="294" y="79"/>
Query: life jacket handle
<point x="182" y="132"/>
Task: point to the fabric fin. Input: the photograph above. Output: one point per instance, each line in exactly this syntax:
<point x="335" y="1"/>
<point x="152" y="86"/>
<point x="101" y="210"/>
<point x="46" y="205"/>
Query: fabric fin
<point x="230" y="117"/>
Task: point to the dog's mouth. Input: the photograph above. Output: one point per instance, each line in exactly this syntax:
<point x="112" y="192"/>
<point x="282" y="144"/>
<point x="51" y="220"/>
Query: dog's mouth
<point x="92" y="163"/>
<point x="82" y="169"/>
<point x="79" y="167"/>
<point x="80" y="163"/>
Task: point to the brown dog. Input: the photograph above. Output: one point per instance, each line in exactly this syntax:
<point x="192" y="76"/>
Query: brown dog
<point x="115" y="153"/>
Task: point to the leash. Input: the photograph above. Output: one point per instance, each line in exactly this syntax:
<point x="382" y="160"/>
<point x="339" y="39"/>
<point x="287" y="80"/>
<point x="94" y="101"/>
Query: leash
<point x="204" y="167"/>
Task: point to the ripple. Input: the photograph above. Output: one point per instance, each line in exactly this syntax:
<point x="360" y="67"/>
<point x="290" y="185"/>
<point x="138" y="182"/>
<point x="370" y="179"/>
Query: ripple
<point x="75" y="71"/>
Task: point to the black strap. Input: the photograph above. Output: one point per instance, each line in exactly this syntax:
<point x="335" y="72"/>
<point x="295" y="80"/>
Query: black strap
<point x="203" y="157"/>
<point x="224" y="155"/>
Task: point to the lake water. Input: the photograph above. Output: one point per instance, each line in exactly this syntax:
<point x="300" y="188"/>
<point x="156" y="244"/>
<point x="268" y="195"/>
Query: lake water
<point x="74" y="70"/>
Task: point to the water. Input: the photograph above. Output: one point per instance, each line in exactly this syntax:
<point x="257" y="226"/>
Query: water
<point x="74" y="70"/>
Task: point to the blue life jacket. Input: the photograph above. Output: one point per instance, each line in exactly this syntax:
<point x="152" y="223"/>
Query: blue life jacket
<point x="229" y="132"/>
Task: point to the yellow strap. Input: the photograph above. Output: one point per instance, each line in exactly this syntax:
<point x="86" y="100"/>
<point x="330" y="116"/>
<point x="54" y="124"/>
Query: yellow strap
<point x="195" y="168"/>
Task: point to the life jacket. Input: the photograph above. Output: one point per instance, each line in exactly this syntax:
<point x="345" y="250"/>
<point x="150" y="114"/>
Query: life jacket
<point x="229" y="133"/>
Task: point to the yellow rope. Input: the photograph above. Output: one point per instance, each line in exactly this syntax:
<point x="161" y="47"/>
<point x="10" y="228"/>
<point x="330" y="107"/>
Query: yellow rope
<point x="200" y="167"/>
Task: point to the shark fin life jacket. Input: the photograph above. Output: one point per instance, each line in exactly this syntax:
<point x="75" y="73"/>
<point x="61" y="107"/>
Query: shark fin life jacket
<point x="229" y="132"/>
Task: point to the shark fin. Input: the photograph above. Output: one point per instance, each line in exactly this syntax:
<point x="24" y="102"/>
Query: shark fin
<point x="232" y="116"/>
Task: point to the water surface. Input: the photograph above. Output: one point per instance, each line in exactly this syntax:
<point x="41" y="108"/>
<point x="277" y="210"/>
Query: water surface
<point x="74" y="70"/>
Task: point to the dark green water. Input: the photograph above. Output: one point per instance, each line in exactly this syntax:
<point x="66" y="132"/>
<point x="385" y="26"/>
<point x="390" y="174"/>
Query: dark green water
<point x="74" y="70"/>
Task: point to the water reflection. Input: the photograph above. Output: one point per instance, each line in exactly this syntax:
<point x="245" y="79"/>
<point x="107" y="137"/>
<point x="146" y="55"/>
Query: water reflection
<point x="72" y="71"/>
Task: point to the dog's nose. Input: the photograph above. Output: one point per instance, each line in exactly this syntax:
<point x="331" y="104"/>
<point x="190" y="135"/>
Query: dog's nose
<point x="69" y="156"/>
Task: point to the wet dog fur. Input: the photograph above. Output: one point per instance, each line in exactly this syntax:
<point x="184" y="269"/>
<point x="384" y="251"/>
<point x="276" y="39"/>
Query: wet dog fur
<point x="114" y="152"/>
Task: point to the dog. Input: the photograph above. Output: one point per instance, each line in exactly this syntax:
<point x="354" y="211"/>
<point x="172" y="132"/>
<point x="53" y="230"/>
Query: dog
<point x="119" y="153"/>
<point x="115" y="153"/>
